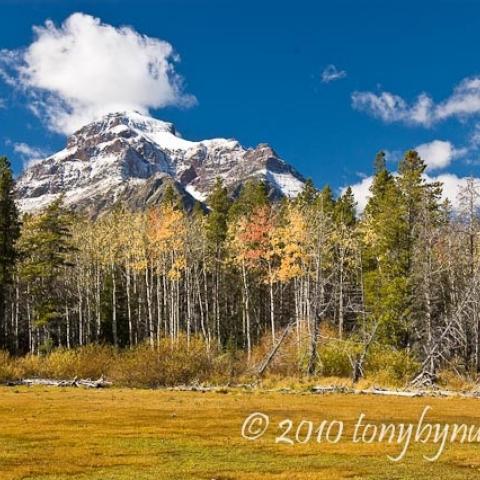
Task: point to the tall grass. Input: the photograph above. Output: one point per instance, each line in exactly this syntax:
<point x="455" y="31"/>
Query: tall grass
<point x="191" y="361"/>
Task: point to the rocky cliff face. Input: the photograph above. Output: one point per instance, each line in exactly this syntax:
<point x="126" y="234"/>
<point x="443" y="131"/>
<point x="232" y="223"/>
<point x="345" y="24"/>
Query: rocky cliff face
<point x="131" y="157"/>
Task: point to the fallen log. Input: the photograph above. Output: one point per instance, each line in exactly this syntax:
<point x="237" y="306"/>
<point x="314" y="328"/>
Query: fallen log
<point x="322" y="390"/>
<point x="338" y="389"/>
<point x="191" y="388"/>
<point x="84" y="383"/>
<point x="270" y="356"/>
<point x="392" y="393"/>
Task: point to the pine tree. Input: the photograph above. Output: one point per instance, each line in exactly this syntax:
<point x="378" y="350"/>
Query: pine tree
<point x="219" y="205"/>
<point x="46" y="249"/>
<point x="9" y="233"/>
<point x="413" y="186"/>
<point x="382" y="181"/>
<point x="326" y="200"/>
<point x="422" y="216"/>
<point x="308" y="195"/>
<point x="345" y="209"/>
<point x="171" y="197"/>
<point x="383" y="230"/>
<point x="216" y="232"/>
<point x="253" y="195"/>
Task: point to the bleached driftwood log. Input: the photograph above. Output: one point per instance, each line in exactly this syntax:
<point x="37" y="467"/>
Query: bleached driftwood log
<point x="411" y="393"/>
<point x="85" y="383"/>
<point x="393" y="393"/>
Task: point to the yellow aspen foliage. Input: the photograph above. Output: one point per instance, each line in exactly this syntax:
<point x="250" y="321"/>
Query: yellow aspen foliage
<point x="290" y="243"/>
<point x="166" y="233"/>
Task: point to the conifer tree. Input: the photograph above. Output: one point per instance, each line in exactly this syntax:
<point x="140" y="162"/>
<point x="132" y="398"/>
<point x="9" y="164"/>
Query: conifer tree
<point x="219" y="205"/>
<point x="171" y="197"/>
<point x="216" y="231"/>
<point x="383" y="231"/>
<point x="308" y="195"/>
<point x="326" y="200"/>
<point x="9" y="233"/>
<point x="46" y="248"/>
<point x="421" y="208"/>
<point x="345" y="209"/>
<point x="253" y="195"/>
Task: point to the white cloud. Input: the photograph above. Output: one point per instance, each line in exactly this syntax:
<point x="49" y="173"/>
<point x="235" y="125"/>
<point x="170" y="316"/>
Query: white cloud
<point x="463" y="102"/>
<point x="452" y="184"/>
<point x="361" y="192"/>
<point x="2" y="103"/>
<point x="331" y="73"/>
<point x="475" y="137"/>
<point x="84" y="68"/>
<point x="29" y="154"/>
<point x="393" y="108"/>
<point x="439" y="153"/>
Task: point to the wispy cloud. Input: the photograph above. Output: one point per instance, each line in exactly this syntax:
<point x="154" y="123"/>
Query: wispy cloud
<point x="392" y="108"/>
<point x="29" y="154"/>
<point x="84" y="68"/>
<point x="331" y="73"/>
<point x="464" y="102"/>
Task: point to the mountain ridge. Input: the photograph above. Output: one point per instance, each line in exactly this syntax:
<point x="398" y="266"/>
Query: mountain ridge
<point x="130" y="157"/>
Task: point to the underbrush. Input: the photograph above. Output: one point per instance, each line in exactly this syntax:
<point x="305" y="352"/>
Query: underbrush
<point x="192" y="362"/>
<point x="181" y="362"/>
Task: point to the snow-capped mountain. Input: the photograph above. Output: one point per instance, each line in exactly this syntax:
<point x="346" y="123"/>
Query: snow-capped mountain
<point x="130" y="157"/>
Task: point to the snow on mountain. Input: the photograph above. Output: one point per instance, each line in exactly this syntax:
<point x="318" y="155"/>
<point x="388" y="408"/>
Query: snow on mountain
<point x="131" y="157"/>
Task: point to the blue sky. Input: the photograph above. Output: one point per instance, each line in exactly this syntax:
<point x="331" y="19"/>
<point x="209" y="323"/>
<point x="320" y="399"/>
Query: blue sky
<point x="255" y="70"/>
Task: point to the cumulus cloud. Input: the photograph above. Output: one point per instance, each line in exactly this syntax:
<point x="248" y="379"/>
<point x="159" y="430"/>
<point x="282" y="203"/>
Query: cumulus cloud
<point x="438" y="154"/>
<point x="28" y="153"/>
<point x="463" y="102"/>
<point x="84" y="68"/>
<point x="361" y="192"/>
<point x="452" y="184"/>
<point x="332" y="73"/>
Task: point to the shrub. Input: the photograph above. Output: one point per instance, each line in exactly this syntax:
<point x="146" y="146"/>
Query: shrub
<point x="389" y="365"/>
<point x="334" y="358"/>
<point x="8" y="369"/>
<point x="166" y="364"/>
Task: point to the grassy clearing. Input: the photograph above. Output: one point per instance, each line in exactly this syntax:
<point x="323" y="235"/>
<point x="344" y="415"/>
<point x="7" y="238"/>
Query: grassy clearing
<point x="146" y="434"/>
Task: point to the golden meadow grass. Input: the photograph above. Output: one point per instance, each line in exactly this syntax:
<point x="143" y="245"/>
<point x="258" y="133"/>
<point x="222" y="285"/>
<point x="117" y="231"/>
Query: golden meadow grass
<point x="50" y="433"/>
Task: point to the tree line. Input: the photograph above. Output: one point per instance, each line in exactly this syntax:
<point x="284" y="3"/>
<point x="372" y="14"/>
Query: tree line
<point x="404" y="273"/>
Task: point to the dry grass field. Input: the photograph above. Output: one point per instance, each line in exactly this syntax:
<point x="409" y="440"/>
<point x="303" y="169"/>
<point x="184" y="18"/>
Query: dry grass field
<point x="50" y="433"/>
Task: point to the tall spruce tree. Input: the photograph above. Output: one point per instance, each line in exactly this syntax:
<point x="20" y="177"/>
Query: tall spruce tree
<point x="326" y="200"/>
<point x="171" y="197"/>
<point x="253" y="195"/>
<point x="384" y="255"/>
<point x="45" y="247"/>
<point x="309" y="194"/>
<point x="422" y="215"/>
<point x="9" y="233"/>
<point x="345" y="208"/>
<point x="216" y="231"/>
<point x="219" y="205"/>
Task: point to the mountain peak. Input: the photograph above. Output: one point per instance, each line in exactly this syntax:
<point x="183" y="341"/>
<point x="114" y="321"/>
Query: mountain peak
<point x="110" y="159"/>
